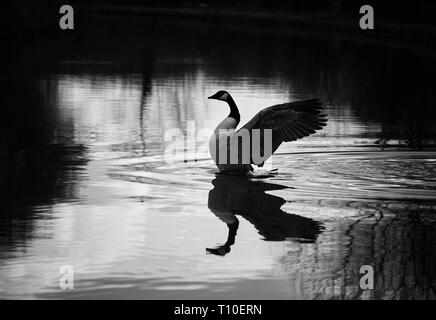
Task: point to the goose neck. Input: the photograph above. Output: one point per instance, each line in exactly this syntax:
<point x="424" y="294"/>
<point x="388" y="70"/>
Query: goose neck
<point x="234" y="112"/>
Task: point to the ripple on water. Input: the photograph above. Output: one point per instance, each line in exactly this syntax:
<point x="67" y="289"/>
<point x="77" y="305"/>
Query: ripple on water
<point x="401" y="175"/>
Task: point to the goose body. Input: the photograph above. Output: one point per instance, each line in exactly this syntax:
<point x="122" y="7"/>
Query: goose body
<point x="263" y="134"/>
<point x="220" y="140"/>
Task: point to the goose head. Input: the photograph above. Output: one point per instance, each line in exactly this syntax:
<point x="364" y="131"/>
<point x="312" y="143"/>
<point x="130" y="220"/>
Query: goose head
<point x="223" y="95"/>
<point x="220" y="95"/>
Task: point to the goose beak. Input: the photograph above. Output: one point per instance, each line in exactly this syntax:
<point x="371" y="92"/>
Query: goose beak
<point x="211" y="97"/>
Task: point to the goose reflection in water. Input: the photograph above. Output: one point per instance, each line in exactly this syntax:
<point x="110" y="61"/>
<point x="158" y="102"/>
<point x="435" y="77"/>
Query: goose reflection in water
<point x="233" y="195"/>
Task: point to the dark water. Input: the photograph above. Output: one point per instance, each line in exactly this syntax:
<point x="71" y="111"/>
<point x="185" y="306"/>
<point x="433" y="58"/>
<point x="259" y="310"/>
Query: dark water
<point x="85" y="181"/>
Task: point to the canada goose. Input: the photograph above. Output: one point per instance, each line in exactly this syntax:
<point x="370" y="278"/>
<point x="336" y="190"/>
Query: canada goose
<point x="272" y="126"/>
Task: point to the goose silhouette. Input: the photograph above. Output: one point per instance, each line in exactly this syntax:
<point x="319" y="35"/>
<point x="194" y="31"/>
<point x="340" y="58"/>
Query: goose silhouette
<point x="235" y="195"/>
<point x="263" y="134"/>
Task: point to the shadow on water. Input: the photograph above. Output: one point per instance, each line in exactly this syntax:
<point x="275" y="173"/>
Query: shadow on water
<point x="233" y="196"/>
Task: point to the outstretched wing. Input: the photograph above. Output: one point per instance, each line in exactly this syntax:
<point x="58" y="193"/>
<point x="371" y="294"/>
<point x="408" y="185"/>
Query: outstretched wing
<point x="288" y="122"/>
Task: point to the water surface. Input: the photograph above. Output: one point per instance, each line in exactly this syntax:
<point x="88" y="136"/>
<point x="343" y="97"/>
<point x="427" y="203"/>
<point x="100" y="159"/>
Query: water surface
<point x="85" y="181"/>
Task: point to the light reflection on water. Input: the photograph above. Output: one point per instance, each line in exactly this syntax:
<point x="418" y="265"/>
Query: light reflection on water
<point x="134" y="226"/>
